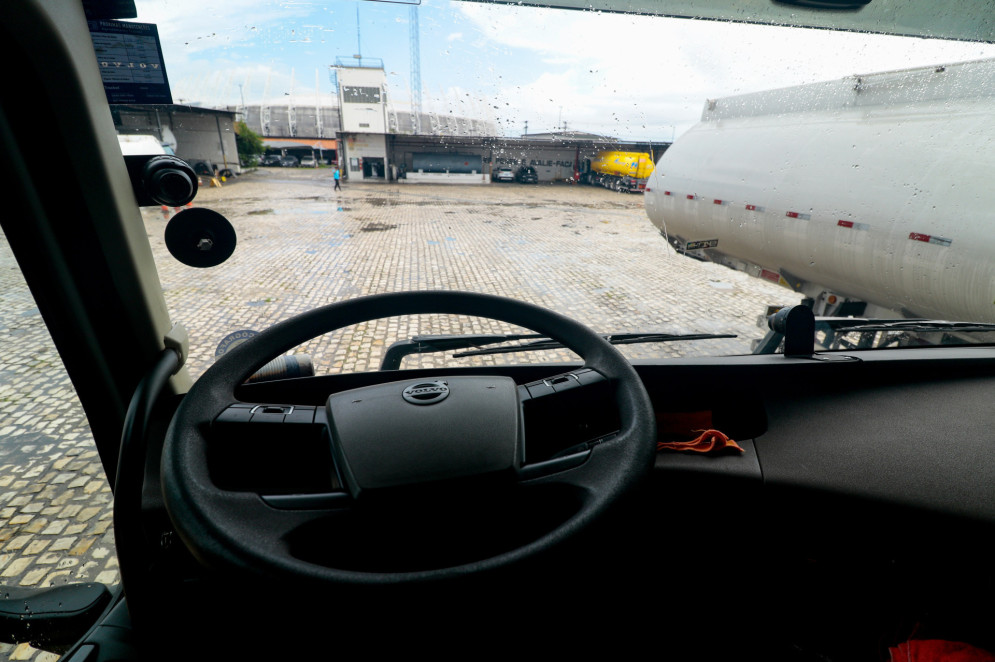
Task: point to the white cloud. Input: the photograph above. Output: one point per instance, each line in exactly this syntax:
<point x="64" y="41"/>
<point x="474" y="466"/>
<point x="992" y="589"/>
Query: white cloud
<point x="640" y="76"/>
<point x="633" y="76"/>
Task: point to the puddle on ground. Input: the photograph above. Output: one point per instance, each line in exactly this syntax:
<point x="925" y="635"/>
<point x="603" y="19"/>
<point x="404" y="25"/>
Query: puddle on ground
<point x="381" y="202"/>
<point x="377" y="227"/>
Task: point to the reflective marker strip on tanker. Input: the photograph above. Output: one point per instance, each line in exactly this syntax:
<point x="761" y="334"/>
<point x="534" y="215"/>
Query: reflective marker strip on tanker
<point x="802" y="217"/>
<point x="930" y="239"/>
<point x="851" y="224"/>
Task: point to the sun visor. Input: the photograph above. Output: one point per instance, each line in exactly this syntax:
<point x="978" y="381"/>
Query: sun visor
<point x="965" y="20"/>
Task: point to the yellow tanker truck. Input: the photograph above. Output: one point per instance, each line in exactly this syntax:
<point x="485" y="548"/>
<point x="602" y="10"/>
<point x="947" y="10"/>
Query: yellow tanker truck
<point x="619" y="171"/>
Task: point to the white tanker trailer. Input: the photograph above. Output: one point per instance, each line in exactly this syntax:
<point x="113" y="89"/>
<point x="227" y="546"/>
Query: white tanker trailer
<point x="876" y="190"/>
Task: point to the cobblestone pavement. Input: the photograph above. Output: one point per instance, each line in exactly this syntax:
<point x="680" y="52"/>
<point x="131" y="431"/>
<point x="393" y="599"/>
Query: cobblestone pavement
<point x="585" y="252"/>
<point x="588" y="253"/>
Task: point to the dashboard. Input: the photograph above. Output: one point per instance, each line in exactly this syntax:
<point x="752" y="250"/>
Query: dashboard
<point x="860" y="511"/>
<point x="909" y="428"/>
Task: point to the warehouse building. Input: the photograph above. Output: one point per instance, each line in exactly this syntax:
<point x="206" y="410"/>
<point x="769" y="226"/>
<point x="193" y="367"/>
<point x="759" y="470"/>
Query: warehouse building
<point x="203" y="137"/>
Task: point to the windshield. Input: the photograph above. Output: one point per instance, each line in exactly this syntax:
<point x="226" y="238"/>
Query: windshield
<point x="639" y="174"/>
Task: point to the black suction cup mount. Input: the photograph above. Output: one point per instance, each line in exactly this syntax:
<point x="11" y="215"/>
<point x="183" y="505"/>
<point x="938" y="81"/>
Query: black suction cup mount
<point x="200" y="238"/>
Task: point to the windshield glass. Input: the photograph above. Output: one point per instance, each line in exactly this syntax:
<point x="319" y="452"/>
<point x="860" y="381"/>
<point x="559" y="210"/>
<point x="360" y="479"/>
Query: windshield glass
<point x="635" y="173"/>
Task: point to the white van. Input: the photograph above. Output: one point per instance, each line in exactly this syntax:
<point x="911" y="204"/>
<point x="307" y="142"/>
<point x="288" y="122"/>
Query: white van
<point x="142" y="144"/>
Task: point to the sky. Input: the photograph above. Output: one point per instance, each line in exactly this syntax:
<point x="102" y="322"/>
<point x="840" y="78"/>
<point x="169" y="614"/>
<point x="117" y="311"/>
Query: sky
<point x="632" y="77"/>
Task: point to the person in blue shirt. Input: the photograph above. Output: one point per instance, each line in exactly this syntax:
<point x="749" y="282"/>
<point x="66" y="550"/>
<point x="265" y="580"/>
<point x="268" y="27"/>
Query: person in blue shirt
<point x="337" y="174"/>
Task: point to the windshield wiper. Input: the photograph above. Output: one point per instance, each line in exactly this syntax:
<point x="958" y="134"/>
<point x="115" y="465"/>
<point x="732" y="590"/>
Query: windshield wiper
<point x="851" y="325"/>
<point x="428" y="344"/>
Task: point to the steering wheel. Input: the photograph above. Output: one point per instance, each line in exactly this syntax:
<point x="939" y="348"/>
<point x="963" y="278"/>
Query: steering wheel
<point x="391" y="440"/>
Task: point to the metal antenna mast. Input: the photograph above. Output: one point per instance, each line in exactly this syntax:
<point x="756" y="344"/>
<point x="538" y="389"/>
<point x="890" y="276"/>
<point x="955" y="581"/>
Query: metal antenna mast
<point x="413" y="33"/>
<point x="264" y="111"/>
<point x="291" y="108"/>
<point x="317" y="105"/>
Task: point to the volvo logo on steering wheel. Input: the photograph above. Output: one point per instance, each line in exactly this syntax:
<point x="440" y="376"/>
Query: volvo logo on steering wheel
<point x="426" y="393"/>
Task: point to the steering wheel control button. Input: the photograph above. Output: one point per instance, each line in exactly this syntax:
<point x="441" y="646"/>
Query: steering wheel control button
<point x="380" y="441"/>
<point x="426" y="393"/>
<point x="563" y="382"/>
<point x="247" y="452"/>
<point x="539" y="389"/>
<point x="301" y="415"/>
<point x="270" y="414"/>
<point x="588" y="376"/>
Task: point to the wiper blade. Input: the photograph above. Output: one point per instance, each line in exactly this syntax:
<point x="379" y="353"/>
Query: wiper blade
<point x="613" y="338"/>
<point x="851" y="325"/>
<point x="428" y="344"/>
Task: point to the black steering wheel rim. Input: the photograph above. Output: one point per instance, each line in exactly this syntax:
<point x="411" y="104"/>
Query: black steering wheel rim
<point x="222" y="529"/>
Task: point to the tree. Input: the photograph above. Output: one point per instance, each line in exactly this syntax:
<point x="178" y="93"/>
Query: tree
<point x="248" y="142"/>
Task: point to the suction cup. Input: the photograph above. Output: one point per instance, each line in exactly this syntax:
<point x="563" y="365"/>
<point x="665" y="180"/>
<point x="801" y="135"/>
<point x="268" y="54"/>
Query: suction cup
<point x="199" y="237"/>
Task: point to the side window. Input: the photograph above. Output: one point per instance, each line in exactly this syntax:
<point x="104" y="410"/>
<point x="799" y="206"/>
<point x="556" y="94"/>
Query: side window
<point x="56" y="522"/>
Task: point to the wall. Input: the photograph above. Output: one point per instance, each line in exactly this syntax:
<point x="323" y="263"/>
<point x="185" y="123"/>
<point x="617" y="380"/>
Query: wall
<point x="361" y="146"/>
<point x="362" y="117"/>
<point x="551" y="163"/>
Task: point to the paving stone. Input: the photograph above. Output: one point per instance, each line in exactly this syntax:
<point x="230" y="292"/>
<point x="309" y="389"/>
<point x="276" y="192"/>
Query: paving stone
<point x="19" y="542"/>
<point x="16" y="567"/>
<point x="48" y="558"/>
<point x="55" y="528"/>
<point x="36" y="525"/>
<point x="87" y="513"/>
<point x="107" y="577"/>
<point x="33" y="577"/>
<point x="58" y="577"/>
<point x="22" y="652"/>
<point x="80" y="548"/>
<point x="62" y="544"/>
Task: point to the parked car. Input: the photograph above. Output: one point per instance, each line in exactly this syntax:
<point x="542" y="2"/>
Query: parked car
<point x="309" y="162"/>
<point x="270" y="160"/>
<point x="527" y="175"/>
<point x="289" y="162"/>
<point x="503" y="174"/>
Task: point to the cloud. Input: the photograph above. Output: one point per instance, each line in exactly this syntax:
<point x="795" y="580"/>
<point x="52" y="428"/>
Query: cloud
<point x="632" y="75"/>
<point x="640" y="77"/>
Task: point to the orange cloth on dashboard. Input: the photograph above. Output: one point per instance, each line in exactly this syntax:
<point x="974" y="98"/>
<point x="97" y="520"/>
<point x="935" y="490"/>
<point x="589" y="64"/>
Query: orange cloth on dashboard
<point x="938" y="650"/>
<point x="707" y="442"/>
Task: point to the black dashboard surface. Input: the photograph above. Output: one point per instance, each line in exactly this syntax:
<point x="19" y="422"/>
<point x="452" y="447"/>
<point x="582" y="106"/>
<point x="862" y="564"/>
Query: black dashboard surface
<point x="910" y="428"/>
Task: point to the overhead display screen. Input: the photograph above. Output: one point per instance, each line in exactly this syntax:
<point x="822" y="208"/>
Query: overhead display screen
<point x="130" y="59"/>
